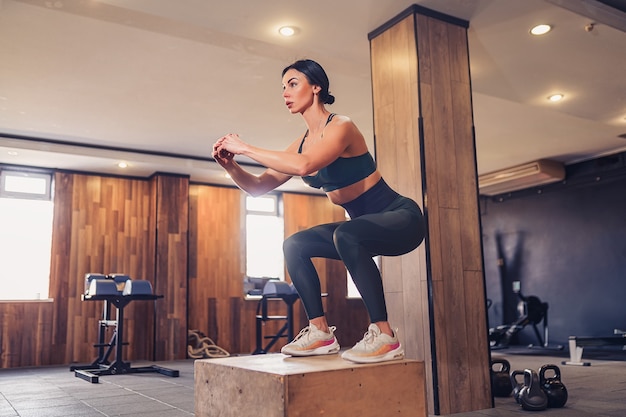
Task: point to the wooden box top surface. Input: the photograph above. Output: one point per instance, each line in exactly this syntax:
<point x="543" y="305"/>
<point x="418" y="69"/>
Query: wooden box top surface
<point x="277" y="363"/>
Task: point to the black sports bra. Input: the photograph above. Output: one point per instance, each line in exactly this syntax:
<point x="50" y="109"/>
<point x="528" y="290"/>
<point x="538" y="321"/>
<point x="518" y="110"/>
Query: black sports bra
<point x="342" y="171"/>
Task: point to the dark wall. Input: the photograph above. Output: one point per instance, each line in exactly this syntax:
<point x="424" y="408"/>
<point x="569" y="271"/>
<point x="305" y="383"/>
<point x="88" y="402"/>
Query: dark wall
<point x="566" y="244"/>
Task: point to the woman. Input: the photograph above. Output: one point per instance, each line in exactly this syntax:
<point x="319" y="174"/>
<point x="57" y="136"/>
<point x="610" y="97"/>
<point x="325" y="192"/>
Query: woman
<point x="332" y="155"/>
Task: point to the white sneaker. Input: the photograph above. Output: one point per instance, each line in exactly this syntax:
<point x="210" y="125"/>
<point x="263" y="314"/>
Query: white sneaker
<point x="375" y="347"/>
<point x="312" y="341"/>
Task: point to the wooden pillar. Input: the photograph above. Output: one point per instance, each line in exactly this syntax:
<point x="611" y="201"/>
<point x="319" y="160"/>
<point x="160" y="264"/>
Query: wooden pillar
<point x="170" y="195"/>
<point x="425" y="148"/>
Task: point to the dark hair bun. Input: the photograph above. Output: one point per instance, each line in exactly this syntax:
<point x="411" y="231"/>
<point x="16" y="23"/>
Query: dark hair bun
<point x="316" y="75"/>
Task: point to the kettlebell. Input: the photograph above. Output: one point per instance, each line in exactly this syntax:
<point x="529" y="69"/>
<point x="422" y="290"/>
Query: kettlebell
<point x="500" y="378"/>
<point x="531" y="396"/>
<point x="553" y="387"/>
<point x="517" y="384"/>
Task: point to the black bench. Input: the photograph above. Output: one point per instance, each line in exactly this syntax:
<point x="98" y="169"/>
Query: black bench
<point x="107" y="290"/>
<point x="577" y="344"/>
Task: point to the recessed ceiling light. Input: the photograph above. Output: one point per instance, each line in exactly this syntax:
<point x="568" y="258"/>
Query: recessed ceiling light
<point x="122" y="164"/>
<point x="12" y="153"/>
<point x="556" y="97"/>
<point x="541" y="29"/>
<point x="54" y="4"/>
<point x="287" y="31"/>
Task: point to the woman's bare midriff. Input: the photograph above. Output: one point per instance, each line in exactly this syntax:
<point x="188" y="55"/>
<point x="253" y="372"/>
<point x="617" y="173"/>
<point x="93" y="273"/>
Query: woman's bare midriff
<point x="349" y="193"/>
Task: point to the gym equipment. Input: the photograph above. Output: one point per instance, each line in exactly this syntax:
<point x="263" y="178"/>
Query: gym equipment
<point x="276" y="386"/>
<point x="102" y="287"/>
<point x="532" y="312"/>
<point x="255" y="285"/>
<point x="200" y="346"/>
<point x="279" y="288"/>
<point x="261" y="317"/>
<point x="92" y="277"/>
<point x="517" y="384"/>
<point x="531" y="396"/>
<point x="577" y="344"/>
<point x="137" y="287"/>
<point x="120" y="280"/>
<point x="115" y="284"/>
<point x="274" y="290"/>
<point x="117" y="290"/>
<point x="500" y="378"/>
<point x="552" y="385"/>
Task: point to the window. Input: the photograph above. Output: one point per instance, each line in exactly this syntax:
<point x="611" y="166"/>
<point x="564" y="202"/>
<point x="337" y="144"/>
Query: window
<point x="265" y="232"/>
<point x="26" y="211"/>
<point x="353" y="291"/>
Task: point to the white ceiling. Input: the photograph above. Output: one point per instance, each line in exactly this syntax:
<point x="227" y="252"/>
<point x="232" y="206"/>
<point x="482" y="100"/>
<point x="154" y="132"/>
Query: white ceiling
<point x="169" y="77"/>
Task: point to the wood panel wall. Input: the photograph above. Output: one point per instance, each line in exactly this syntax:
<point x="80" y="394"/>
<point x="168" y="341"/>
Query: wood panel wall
<point x="170" y="194"/>
<point x="188" y="241"/>
<point x="26" y="334"/>
<point x="217" y="268"/>
<point x="106" y="225"/>
<point x="101" y="225"/>
<point x="420" y="73"/>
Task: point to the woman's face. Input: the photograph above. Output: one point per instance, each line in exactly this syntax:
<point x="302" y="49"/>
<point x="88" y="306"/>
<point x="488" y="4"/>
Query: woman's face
<point x="297" y="92"/>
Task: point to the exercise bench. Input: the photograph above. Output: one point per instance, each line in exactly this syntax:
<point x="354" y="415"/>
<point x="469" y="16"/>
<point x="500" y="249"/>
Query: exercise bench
<point x="286" y="331"/>
<point x="115" y="290"/>
<point x="578" y="343"/>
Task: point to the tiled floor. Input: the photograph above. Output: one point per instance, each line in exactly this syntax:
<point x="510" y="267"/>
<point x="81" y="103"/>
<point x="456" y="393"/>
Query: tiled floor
<point x="598" y="390"/>
<point x="55" y="391"/>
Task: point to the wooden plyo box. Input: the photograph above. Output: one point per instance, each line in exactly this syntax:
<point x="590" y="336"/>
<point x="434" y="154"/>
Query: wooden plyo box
<point x="275" y="385"/>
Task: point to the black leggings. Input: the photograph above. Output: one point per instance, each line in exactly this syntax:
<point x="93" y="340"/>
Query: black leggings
<point x="396" y="230"/>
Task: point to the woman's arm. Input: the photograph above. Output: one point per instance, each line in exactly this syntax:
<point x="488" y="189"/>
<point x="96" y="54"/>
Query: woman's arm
<point x="255" y="185"/>
<point x="337" y="138"/>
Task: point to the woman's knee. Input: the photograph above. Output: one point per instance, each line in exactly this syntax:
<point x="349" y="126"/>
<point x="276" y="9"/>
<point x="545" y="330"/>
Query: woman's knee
<point x="345" y="237"/>
<point x="292" y="246"/>
<point x="299" y="243"/>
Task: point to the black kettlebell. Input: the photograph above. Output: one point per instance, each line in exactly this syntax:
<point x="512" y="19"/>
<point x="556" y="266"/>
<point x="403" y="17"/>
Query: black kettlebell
<point x="552" y="385"/>
<point x="531" y="396"/>
<point x="517" y="384"/>
<point x="500" y="378"/>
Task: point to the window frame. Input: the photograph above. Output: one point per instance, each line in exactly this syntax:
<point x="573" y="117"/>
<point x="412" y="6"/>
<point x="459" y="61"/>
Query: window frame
<point x="278" y="211"/>
<point x="12" y="172"/>
<point x="47" y="195"/>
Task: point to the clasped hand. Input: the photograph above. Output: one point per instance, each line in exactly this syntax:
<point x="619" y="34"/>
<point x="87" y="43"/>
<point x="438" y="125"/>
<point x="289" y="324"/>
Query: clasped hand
<point x="226" y="147"/>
